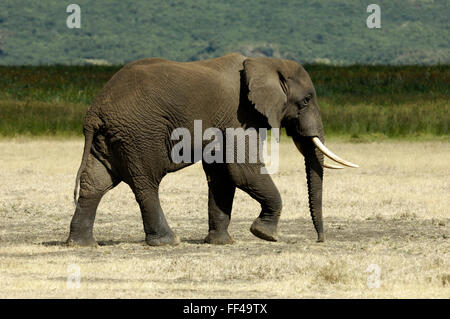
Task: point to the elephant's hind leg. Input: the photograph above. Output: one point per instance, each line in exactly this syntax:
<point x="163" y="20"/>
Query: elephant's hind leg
<point x="220" y="201"/>
<point x="157" y="230"/>
<point x="95" y="181"/>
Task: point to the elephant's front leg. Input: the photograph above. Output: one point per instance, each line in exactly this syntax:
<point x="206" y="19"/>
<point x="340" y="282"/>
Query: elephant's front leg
<point x="260" y="186"/>
<point x="220" y="201"/>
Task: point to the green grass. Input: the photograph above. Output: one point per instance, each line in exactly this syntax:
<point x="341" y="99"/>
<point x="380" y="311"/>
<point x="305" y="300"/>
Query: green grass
<point x="359" y="102"/>
<point x="36" y="118"/>
<point x="394" y="83"/>
<point x="419" y="117"/>
<point x="73" y="84"/>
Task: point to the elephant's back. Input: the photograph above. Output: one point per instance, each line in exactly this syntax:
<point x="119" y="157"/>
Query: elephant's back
<point x="158" y="87"/>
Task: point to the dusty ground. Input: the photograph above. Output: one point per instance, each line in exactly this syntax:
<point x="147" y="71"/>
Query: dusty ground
<point x="393" y="213"/>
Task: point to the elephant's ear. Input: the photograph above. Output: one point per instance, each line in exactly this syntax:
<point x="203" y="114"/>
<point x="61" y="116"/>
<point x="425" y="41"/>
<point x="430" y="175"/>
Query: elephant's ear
<point x="267" y="89"/>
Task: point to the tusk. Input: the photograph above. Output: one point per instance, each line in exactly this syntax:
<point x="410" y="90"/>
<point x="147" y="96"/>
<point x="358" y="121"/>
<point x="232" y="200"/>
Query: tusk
<point x="332" y="166"/>
<point x="330" y="154"/>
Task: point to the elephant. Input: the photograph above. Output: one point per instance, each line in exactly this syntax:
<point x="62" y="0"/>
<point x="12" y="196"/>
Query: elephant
<point x="127" y="132"/>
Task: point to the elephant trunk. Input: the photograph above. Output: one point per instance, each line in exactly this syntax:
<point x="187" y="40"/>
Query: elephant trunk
<point x="314" y="160"/>
<point x="314" y="175"/>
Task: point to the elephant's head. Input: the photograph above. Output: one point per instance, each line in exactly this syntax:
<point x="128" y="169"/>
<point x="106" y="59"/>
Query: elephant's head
<point x="283" y="91"/>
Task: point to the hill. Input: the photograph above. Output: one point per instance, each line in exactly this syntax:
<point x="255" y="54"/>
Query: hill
<point x="116" y="32"/>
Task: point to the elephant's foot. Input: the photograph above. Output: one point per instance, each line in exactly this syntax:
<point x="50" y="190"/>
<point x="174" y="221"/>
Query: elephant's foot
<point x="216" y="237"/>
<point x="264" y="230"/>
<point x="81" y="241"/>
<point x="169" y="238"/>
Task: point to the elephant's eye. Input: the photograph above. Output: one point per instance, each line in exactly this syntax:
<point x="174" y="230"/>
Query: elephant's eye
<point x="305" y="101"/>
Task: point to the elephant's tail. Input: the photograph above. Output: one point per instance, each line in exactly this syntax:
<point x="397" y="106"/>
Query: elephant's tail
<point x="88" y="138"/>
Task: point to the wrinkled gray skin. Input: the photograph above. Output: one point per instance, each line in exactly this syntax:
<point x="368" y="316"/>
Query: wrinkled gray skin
<point x="127" y="138"/>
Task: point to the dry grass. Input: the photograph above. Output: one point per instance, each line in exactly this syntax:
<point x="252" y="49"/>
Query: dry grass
<point x="392" y="212"/>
